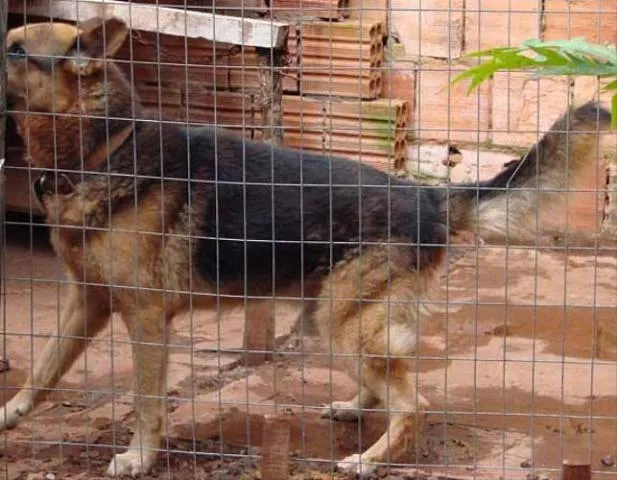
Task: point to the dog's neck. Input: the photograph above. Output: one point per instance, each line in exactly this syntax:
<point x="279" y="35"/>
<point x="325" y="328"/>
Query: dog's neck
<point x="96" y="159"/>
<point x="68" y="143"/>
<point x="64" y="183"/>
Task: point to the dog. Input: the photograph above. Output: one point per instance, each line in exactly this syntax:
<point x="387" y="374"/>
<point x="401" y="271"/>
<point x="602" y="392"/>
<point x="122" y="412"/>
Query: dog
<point x="151" y="219"/>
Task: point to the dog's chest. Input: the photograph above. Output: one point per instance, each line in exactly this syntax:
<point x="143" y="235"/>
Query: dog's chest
<point x="124" y="252"/>
<point x="71" y="246"/>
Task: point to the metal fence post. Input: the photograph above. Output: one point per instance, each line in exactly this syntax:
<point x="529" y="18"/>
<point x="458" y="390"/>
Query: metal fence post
<point x="3" y="27"/>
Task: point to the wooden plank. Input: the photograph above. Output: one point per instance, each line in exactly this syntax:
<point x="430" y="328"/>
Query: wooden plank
<point x="275" y="448"/>
<point x="170" y="21"/>
<point x="259" y="332"/>
<point x="573" y="471"/>
<point x="271" y="94"/>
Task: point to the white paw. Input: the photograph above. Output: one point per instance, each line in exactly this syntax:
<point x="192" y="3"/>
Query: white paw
<point x="355" y="464"/>
<point x="342" y="411"/>
<point x="131" y="463"/>
<point x="11" y="414"/>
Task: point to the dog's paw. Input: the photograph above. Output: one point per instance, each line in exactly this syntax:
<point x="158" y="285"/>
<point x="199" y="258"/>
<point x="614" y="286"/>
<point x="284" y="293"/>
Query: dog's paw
<point x="356" y="465"/>
<point x="342" y="412"/>
<point x="12" y="413"/>
<point x="131" y="463"/>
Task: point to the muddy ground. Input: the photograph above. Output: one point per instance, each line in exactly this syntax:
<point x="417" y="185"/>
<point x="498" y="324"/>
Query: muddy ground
<point x="518" y="363"/>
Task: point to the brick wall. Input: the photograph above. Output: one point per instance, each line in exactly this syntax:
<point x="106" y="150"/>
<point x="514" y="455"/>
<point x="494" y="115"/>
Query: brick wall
<point x="511" y="109"/>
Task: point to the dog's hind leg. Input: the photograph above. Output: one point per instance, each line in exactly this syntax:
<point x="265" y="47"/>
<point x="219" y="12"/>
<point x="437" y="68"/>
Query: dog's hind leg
<point x="147" y="326"/>
<point x="372" y="318"/>
<point x="391" y="381"/>
<point x="85" y="314"/>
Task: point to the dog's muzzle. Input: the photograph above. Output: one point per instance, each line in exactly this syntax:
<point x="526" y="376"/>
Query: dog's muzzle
<point x="49" y="184"/>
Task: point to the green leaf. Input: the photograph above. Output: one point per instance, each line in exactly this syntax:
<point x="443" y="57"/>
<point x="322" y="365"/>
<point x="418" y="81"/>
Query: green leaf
<point x="478" y="80"/>
<point x="611" y="86"/>
<point x="575" y="57"/>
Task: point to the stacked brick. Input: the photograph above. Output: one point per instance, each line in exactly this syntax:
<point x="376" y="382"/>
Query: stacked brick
<point x="333" y="84"/>
<point x="370" y="131"/>
<point x="336" y="58"/>
<point x="188" y="80"/>
<point x="324" y="9"/>
<point x="340" y="59"/>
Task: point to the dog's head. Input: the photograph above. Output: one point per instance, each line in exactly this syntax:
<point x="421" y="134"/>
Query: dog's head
<point x="59" y="79"/>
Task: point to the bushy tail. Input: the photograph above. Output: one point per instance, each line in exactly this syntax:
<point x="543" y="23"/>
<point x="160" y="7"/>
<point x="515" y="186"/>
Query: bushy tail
<point x="505" y="207"/>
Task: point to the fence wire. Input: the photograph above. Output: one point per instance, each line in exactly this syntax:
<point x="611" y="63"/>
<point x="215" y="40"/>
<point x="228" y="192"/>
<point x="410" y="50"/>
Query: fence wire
<point x="513" y="372"/>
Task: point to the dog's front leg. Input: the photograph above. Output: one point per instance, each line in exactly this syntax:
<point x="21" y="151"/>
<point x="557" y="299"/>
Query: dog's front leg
<point x="85" y="314"/>
<point x="147" y="328"/>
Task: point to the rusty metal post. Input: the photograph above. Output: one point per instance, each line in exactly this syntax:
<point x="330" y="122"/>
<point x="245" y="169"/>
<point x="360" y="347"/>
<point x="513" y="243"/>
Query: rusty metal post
<point x="3" y="27"/>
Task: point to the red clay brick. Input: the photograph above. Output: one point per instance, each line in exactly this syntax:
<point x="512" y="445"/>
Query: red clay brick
<point x="435" y="30"/>
<point x="496" y="23"/>
<point x="445" y="111"/>
<point x="590" y="88"/>
<point x="369" y="10"/>
<point x="399" y="82"/>
<point x="586" y="202"/>
<point x="524" y="107"/>
<point x="596" y="20"/>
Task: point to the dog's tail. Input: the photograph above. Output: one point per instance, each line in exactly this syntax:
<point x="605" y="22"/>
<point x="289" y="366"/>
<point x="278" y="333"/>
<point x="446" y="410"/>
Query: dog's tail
<point x="505" y="207"/>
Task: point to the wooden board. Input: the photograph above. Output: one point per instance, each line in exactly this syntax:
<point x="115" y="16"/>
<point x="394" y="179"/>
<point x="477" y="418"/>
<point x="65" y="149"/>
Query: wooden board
<point x="164" y="20"/>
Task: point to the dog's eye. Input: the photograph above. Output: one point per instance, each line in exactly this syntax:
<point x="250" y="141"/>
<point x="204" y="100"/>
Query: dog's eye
<point x="17" y="50"/>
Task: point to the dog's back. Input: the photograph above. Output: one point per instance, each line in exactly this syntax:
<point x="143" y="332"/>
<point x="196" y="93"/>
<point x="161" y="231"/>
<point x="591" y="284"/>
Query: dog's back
<point x="272" y="215"/>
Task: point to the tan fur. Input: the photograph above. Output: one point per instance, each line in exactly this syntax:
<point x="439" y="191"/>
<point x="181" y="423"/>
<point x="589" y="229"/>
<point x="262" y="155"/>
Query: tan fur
<point x="136" y="259"/>
<point x="553" y="166"/>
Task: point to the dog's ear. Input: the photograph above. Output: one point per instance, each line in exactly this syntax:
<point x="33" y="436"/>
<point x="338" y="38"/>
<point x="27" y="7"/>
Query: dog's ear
<point x="98" y="38"/>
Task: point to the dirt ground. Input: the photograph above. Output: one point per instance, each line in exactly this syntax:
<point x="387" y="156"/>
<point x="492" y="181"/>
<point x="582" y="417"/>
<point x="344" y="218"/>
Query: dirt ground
<point x="518" y="363"/>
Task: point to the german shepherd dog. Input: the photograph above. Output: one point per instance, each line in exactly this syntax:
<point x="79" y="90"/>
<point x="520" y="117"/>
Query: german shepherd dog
<point x="151" y="219"/>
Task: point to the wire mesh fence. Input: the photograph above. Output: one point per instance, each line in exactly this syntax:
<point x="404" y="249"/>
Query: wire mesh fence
<point x="270" y="239"/>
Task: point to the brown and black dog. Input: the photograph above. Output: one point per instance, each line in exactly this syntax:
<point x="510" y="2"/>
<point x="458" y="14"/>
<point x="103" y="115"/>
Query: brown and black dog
<point x="152" y="219"/>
